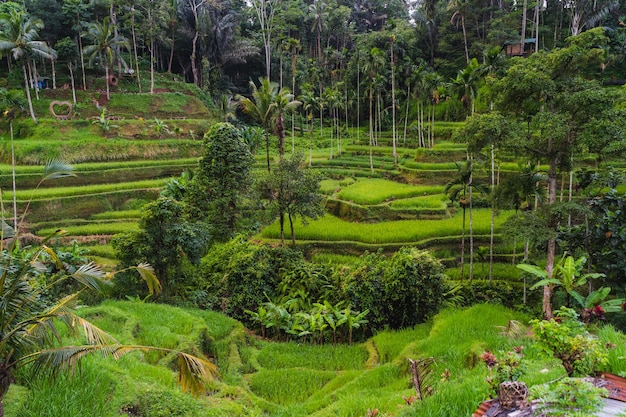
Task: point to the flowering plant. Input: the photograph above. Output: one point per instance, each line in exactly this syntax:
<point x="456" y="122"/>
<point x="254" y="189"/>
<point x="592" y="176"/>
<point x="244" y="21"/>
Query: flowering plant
<point x="508" y="367"/>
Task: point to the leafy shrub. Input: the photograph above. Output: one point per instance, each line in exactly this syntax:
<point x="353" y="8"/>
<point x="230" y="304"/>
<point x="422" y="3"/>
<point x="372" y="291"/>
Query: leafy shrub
<point x="399" y="292"/>
<point x="569" y="397"/>
<point x="242" y="274"/>
<point x="569" y="341"/>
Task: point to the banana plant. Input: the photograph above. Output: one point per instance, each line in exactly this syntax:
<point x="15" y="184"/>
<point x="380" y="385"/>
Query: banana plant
<point x="567" y="274"/>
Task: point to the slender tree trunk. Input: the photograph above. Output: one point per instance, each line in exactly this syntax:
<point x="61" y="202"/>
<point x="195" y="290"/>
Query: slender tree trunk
<point x="54" y="75"/>
<point x="34" y="76"/>
<point x="194" y="69"/>
<point x="281" y="220"/>
<point x="371" y="128"/>
<point x="267" y="150"/>
<point x="106" y="74"/>
<point x="13" y="178"/>
<point x="406" y="112"/>
<point x="393" y="107"/>
<point x="28" y="97"/>
<point x="463" y="245"/>
<point x="293" y="233"/>
<point x="471" y="226"/>
<point x="493" y="211"/>
<point x="523" y="40"/>
<point x="135" y="52"/>
<point x="69" y="66"/>
<point x="465" y="39"/>
<point x="551" y="247"/>
<point x="311" y="142"/>
<point x="151" y="64"/>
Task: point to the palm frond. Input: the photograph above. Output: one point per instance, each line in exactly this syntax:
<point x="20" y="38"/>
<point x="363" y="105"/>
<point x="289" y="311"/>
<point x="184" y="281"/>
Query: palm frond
<point x="56" y="168"/>
<point x="92" y="276"/>
<point x="192" y="371"/>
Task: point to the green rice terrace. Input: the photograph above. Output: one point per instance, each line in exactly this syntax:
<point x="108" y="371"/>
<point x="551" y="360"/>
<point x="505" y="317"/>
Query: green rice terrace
<point x="410" y="259"/>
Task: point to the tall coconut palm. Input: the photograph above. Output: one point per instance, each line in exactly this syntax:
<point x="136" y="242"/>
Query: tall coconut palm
<point x="460" y="190"/>
<point x="11" y="104"/>
<point x="309" y="102"/>
<point x="260" y="107"/>
<point x="104" y="46"/>
<point x="459" y="9"/>
<point x="465" y="85"/>
<point x="268" y="106"/>
<point x="18" y="35"/>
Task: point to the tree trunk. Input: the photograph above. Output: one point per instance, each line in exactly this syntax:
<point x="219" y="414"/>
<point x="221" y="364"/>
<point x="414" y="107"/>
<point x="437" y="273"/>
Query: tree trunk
<point x="493" y="211"/>
<point x="28" y="97"/>
<point x="13" y="178"/>
<point x="551" y="248"/>
<point x="267" y="150"/>
<point x="106" y="74"/>
<point x="281" y="221"/>
<point x="135" y="52"/>
<point x="54" y="75"/>
<point x="72" y="81"/>
<point x="371" y="128"/>
<point x="471" y="227"/>
<point x="393" y="108"/>
<point x="194" y="69"/>
<point x="465" y="39"/>
<point x="463" y="246"/>
<point x="80" y="52"/>
<point x="293" y="233"/>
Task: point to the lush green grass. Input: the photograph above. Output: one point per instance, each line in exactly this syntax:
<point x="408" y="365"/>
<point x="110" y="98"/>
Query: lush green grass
<point x="436" y="201"/>
<point x="92" y="229"/>
<point x="375" y="191"/>
<point x="330" y="228"/>
<point x="46" y="193"/>
<point x="287" y="379"/>
<point x="325" y="358"/>
<point x="117" y="215"/>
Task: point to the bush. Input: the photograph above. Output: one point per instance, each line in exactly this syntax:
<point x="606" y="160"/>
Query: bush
<point x="242" y="275"/>
<point x="399" y="292"/>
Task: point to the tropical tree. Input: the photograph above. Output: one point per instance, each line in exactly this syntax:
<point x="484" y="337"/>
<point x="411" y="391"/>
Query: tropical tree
<point x="104" y="46"/>
<point x="293" y="191"/>
<point x="460" y="189"/>
<point x="224" y="177"/>
<point x="491" y="130"/>
<point x="459" y="9"/>
<point x="268" y="106"/>
<point x="549" y="92"/>
<point x="11" y="105"/>
<point x="18" y="35"/>
<point x="261" y="107"/>
<point x="465" y="85"/>
<point x="266" y="12"/>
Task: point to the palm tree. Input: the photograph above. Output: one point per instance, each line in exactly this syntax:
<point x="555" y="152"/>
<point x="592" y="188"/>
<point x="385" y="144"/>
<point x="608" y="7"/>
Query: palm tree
<point x="465" y="85"/>
<point x="268" y="106"/>
<point x="460" y="189"/>
<point x="104" y="44"/>
<point x="260" y="107"/>
<point x="459" y="10"/>
<point x="293" y="46"/>
<point x="11" y="104"/>
<point x="18" y="35"/>
<point x="28" y="324"/>
<point x="29" y="328"/>
<point x="309" y="102"/>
